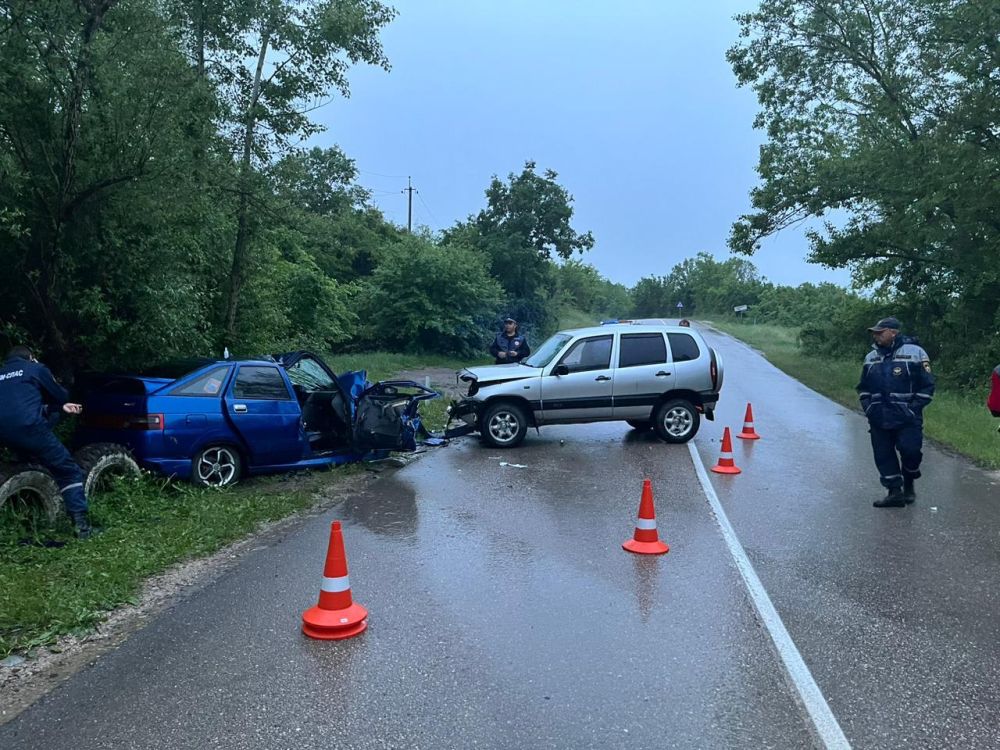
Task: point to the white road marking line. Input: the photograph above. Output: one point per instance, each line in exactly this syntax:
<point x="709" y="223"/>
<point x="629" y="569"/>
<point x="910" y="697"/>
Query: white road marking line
<point x="824" y="722"/>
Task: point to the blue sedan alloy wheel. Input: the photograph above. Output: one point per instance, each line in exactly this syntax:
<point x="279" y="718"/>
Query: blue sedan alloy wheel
<point x="217" y="466"/>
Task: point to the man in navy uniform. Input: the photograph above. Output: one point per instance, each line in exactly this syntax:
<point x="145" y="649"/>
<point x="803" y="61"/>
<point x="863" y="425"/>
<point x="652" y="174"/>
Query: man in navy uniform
<point x="896" y="384"/>
<point x="26" y="388"/>
<point x="509" y="345"/>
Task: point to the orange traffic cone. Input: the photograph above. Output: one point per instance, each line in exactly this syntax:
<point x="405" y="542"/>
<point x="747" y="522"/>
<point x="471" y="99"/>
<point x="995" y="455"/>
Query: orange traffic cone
<point x="748" y="430"/>
<point x="336" y="616"/>
<point x="726" y="463"/>
<point x="646" y="541"/>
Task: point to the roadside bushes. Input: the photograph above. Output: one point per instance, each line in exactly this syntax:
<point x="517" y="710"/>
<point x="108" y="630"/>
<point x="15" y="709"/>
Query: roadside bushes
<point x="425" y="298"/>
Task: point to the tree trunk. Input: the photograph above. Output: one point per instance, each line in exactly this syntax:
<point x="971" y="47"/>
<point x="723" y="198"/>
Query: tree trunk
<point x="50" y="249"/>
<point x="237" y="276"/>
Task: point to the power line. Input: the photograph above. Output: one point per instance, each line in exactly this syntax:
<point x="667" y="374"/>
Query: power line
<point x="378" y="174"/>
<point x="428" y="209"/>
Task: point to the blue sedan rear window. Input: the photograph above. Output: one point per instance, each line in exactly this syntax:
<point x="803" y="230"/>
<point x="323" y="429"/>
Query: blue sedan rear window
<point x="208" y="384"/>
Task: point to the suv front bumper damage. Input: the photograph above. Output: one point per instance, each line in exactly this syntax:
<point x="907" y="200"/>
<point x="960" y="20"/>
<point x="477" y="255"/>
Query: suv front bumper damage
<point x="466" y="413"/>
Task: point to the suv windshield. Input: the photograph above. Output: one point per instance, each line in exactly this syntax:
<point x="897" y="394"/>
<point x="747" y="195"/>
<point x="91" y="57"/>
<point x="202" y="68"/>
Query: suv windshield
<point x="547" y="351"/>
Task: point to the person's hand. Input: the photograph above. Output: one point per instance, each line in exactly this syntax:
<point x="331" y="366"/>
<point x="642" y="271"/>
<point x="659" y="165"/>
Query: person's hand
<point x="502" y="355"/>
<point x="73" y="408"/>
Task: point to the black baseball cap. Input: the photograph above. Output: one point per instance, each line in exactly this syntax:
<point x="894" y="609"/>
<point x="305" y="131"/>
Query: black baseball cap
<point x="509" y="319"/>
<point x="892" y="323"/>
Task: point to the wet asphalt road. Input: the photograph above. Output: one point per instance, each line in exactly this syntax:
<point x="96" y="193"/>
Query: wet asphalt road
<point x="504" y="612"/>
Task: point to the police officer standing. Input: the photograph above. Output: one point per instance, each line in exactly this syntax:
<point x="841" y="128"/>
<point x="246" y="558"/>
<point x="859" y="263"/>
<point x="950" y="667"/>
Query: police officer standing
<point x="509" y="345"/>
<point x="26" y="387"/>
<point x="896" y="384"/>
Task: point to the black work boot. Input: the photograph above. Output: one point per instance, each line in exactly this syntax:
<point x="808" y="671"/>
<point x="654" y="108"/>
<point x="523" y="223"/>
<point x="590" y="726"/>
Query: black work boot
<point x="81" y="522"/>
<point x="908" y="494"/>
<point x="892" y="500"/>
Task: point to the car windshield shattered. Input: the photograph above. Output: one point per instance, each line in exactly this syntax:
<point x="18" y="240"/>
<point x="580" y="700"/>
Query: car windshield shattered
<point x="547" y="351"/>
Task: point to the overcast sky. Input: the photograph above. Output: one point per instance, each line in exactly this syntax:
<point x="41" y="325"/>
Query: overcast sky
<point x="631" y="102"/>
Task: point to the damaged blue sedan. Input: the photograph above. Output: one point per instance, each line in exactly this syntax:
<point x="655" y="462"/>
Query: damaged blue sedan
<point x="214" y="421"/>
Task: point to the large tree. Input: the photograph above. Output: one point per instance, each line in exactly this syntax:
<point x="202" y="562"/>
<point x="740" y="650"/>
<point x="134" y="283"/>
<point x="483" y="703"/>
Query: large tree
<point x="97" y="217"/>
<point x="883" y="117"/>
<point x="303" y="51"/>
<point x="842" y="103"/>
<point x="525" y="225"/>
<point x="272" y="62"/>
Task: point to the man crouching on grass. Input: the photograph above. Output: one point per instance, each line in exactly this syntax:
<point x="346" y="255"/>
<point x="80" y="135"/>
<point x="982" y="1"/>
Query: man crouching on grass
<point x="26" y="386"/>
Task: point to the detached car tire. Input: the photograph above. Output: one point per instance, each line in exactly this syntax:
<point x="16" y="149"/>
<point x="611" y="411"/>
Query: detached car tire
<point x="104" y="461"/>
<point x="216" y="466"/>
<point x="503" y="425"/>
<point x="30" y="487"/>
<point x="676" y="421"/>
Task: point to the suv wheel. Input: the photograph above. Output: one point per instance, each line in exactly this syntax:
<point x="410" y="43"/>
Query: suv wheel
<point x="503" y="425"/>
<point x="676" y="421"/>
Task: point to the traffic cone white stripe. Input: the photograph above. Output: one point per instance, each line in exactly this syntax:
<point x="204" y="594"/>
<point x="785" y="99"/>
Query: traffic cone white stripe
<point x="335" y="585"/>
<point x="646" y="524"/>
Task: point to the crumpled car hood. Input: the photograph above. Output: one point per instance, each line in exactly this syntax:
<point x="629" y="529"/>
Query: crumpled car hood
<point x="497" y="373"/>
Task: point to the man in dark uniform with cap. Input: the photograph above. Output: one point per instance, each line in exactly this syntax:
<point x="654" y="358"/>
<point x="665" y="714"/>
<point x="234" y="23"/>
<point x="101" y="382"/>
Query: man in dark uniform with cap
<point x="896" y="384"/>
<point x="26" y="388"/>
<point x="509" y="345"/>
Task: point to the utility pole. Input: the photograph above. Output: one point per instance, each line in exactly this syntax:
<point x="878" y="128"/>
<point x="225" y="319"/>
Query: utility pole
<point x="409" y="209"/>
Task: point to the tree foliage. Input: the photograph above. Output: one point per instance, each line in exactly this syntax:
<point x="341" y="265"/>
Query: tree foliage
<point x="525" y="225"/>
<point x="883" y="118"/>
<point x="430" y="299"/>
<point x="139" y="147"/>
<point x="702" y="285"/>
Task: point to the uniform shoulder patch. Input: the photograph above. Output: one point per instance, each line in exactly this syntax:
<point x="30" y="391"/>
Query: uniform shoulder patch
<point x="927" y="365"/>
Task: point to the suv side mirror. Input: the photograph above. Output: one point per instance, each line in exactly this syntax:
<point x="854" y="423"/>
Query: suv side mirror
<point x="561" y="370"/>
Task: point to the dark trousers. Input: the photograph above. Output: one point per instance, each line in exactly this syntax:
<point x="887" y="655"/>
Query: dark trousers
<point x="38" y="442"/>
<point x="897" y="452"/>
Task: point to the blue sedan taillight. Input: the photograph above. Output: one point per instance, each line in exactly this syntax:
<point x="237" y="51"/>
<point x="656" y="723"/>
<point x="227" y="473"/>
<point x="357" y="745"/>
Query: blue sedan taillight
<point x="145" y="422"/>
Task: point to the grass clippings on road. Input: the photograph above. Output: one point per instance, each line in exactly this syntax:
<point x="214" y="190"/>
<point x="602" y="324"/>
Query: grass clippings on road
<point x="47" y="591"/>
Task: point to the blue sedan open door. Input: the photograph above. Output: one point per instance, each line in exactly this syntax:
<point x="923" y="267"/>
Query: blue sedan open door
<point x="266" y="415"/>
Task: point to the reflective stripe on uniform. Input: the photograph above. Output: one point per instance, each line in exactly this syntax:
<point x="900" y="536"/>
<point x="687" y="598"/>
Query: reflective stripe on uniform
<point x="336" y="585"/>
<point x="71" y="486"/>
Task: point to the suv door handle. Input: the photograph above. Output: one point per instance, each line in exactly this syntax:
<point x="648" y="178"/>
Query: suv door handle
<point x="602" y="377"/>
<point x="240" y="408"/>
<point x="662" y="374"/>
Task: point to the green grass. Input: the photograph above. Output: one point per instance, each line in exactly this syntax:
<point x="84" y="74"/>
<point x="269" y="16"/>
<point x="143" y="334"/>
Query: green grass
<point x="956" y="420"/>
<point x="386" y="365"/>
<point x="152" y="524"/>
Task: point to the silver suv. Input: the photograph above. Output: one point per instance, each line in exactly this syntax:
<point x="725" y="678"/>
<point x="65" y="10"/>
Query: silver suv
<point x="658" y="376"/>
